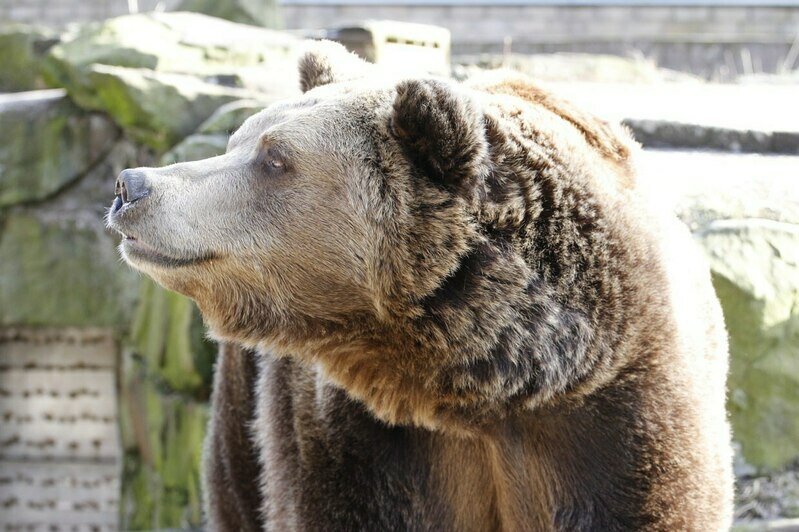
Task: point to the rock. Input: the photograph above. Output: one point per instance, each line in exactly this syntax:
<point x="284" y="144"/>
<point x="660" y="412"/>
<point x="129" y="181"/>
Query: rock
<point x="153" y="108"/>
<point x="563" y="67"/>
<point x="196" y="147"/>
<point x="166" y="381"/>
<point x="160" y="88"/>
<point x="264" y="13"/>
<point x="212" y="136"/>
<point x="766" y="525"/>
<point x="704" y="187"/>
<point x="185" y="43"/>
<point x="274" y="80"/>
<point x="58" y="266"/>
<point x="744" y="212"/>
<point x="769" y="497"/>
<point x="162" y="437"/>
<point x="755" y="266"/>
<point x="230" y="116"/>
<point x="167" y="337"/>
<point x="667" y="134"/>
<point x="695" y="115"/>
<point x="20" y="62"/>
<point x="47" y="143"/>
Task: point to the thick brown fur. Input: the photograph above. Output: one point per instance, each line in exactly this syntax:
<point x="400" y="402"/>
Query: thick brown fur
<point x="467" y="315"/>
<point x="231" y="476"/>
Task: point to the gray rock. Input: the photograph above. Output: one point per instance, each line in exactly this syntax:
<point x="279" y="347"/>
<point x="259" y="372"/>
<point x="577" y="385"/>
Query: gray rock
<point x="58" y="265"/>
<point x="769" y="497"/>
<point x="264" y="13"/>
<point x="696" y="115"/>
<point x="744" y="211"/>
<point x="764" y="525"/>
<point x="47" y="143"/>
<point x="196" y="147"/>
<point x="20" y="61"/>
<point x="230" y="116"/>
<point x="185" y="43"/>
<point x="668" y="134"/>
<point x="154" y="108"/>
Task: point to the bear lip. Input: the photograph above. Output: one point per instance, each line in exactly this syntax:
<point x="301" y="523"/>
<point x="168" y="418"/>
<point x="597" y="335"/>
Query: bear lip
<point x="137" y="250"/>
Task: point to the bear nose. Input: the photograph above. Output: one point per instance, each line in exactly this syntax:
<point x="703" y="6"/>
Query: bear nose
<point x="131" y="185"/>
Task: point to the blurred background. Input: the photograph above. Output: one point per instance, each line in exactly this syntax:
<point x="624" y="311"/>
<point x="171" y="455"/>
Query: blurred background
<point x="105" y="377"/>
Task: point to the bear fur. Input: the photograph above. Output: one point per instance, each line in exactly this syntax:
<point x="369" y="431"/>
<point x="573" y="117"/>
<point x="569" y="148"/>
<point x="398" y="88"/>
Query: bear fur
<point x="442" y="306"/>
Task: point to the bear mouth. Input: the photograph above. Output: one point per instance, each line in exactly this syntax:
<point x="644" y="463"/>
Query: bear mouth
<point x="135" y="250"/>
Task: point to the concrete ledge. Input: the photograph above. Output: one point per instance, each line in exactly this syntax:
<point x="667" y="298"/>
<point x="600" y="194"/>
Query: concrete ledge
<point x="749" y="118"/>
<point x="760" y="525"/>
<point x="677" y="135"/>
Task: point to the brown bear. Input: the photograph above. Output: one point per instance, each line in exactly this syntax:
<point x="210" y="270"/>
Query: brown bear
<point x="442" y="306"/>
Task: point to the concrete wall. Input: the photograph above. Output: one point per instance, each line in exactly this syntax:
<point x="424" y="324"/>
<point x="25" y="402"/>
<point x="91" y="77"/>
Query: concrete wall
<point x="59" y="13"/>
<point x="714" y="41"/>
<point x="59" y="449"/>
<point x="475" y="25"/>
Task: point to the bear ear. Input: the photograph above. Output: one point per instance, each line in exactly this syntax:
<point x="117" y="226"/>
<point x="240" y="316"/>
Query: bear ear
<point x="325" y="62"/>
<point x="442" y="130"/>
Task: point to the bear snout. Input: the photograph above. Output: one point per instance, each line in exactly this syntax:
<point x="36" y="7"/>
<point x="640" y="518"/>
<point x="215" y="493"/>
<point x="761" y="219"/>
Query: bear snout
<point x="131" y="185"/>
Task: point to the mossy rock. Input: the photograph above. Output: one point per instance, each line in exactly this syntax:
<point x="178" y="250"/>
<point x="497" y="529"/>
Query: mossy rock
<point x="167" y="336"/>
<point x="744" y="213"/>
<point x="264" y="13"/>
<point x="187" y="43"/>
<point x="60" y="272"/>
<point x="231" y="116"/>
<point x="755" y="266"/>
<point x="162" y="435"/>
<point x="196" y="147"/>
<point x="21" y="50"/>
<point x="160" y="87"/>
<point x="165" y="384"/>
<point x="155" y="109"/>
<point x="46" y="143"/>
<point x="58" y="264"/>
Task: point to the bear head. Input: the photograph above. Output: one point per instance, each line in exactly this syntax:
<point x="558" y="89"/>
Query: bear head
<point x="347" y="204"/>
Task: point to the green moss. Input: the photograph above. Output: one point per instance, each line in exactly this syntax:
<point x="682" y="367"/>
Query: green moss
<point x="47" y="143"/>
<point x="21" y="50"/>
<point x="764" y="379"/>
<point x="60" y="273"/>
<point x="155" y="109"/>
<point x="163" y="436"/>
<point x="264" y="13"/>
<point x="165" y="383"/>
<point x="167" y="336"/>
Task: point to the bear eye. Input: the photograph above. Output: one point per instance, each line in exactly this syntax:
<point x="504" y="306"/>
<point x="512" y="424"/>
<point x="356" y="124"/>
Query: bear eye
<point x="273" y="161"/>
